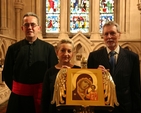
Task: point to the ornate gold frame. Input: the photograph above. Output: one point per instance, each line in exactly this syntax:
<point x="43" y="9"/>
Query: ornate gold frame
<point x="72" y="77"/>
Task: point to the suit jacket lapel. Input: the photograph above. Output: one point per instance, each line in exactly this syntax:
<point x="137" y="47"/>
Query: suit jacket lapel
<point x="120" y="60"/>
<point x="105" y="60"/>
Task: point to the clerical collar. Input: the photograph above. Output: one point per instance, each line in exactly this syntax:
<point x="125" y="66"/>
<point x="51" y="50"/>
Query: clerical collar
<point x="30" y="42"/>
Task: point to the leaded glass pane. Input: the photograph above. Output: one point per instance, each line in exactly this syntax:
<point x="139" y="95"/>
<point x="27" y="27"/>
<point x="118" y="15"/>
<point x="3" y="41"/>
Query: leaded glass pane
<point x="106" y="12"/>
<point x="79" y="16"/>
<point x="52" y="16"/>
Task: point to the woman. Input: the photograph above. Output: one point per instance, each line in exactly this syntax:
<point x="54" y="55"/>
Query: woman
<point x="64" y="53"/>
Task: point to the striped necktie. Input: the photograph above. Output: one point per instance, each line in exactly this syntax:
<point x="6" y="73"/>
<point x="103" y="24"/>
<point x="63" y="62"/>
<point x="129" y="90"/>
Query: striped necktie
<point x="112" y="61"/>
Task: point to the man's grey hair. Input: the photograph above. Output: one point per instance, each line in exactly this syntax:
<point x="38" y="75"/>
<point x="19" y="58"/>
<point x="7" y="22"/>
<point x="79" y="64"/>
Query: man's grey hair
<point x="112" y="23"/>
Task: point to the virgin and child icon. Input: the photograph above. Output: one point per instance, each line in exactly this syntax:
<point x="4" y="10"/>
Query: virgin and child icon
<point x="84" y="87"/>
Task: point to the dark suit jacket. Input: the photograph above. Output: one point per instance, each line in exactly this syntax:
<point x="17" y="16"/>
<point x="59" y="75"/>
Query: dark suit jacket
<point x="126" y="78"/>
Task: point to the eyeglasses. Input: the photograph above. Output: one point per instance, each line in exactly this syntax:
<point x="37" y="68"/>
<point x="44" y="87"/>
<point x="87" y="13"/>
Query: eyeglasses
<point x="30" y="24"/>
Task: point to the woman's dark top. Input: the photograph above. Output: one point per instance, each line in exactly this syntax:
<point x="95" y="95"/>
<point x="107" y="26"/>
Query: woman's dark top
<point x="47" y="94"/>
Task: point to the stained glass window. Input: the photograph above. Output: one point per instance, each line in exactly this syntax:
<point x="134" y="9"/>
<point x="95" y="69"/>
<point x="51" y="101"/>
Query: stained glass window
<point x="106" y="12"/>
<point x="79" y="16"/>
<point x="52" y="16"/>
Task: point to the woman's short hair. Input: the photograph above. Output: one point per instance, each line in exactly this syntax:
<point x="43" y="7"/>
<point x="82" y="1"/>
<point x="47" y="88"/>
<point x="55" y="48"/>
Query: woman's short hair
<point x="66" y="40"/>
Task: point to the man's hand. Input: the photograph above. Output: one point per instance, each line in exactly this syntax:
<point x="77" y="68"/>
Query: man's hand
<point x="102" y="68"/>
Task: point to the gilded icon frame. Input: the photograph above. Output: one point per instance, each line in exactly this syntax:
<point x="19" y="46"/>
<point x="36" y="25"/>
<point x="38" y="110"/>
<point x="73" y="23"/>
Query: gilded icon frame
<point x="77" y="80"/>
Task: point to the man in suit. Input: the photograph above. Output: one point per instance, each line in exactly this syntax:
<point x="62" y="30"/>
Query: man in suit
<point x="126" y="71"/>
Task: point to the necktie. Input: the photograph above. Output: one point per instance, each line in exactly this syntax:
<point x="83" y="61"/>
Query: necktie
<point x="112" y="61"/>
